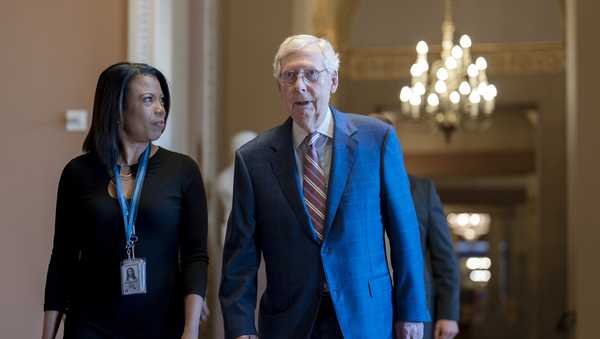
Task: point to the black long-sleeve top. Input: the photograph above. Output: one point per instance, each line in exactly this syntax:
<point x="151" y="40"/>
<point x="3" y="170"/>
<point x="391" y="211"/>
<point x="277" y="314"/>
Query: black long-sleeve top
<point x="89" y="244"/>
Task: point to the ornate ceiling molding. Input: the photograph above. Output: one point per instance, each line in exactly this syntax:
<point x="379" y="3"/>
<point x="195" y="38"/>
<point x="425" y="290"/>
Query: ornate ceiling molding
<point x="393" y="63"/>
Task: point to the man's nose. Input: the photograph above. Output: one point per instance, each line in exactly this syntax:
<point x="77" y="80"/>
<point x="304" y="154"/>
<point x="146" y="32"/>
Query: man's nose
<point x="300" y="84"/>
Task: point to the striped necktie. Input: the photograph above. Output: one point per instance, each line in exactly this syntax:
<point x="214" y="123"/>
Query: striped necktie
<point x="315" y="188"/>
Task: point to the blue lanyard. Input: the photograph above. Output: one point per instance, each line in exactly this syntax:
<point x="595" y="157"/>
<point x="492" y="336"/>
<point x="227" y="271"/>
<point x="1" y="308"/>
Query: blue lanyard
<point x="129" y="211"/>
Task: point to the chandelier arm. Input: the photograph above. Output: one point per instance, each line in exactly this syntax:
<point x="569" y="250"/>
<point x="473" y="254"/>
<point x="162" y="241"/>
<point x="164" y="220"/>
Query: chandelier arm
<point x="447" y="29"/>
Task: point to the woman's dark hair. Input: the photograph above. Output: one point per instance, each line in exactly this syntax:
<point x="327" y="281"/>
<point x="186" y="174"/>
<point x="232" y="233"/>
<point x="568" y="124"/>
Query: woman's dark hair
<point x="109" y="104"/>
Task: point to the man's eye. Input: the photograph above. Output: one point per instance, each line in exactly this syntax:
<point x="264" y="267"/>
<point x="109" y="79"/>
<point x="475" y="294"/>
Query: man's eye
<point x="288" y="75"/>
<point x="147" y="99"/>
<point x="310" y="73"/>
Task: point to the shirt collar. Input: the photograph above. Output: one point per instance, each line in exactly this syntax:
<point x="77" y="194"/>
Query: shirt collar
<point x="326" y="128"/>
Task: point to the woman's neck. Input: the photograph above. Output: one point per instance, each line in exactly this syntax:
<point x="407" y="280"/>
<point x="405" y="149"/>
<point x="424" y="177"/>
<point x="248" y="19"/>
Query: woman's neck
<point x="130" y="152"/>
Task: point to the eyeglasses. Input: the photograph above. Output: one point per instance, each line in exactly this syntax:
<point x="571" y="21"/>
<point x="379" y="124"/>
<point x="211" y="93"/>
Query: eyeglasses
<point x="308" y="76"/>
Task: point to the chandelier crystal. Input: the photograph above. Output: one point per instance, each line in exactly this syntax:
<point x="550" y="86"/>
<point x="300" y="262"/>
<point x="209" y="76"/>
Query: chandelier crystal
<point x="452" y="89"/>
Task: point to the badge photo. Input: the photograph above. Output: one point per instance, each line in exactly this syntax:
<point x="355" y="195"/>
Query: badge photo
<point x="133" y="276"/>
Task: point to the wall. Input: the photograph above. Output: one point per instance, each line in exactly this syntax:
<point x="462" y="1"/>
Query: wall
<point x="52" y="53"/>
<point x="584" y="164"/>
<point x="252" y="32"/>
<point x="251" y="38"/>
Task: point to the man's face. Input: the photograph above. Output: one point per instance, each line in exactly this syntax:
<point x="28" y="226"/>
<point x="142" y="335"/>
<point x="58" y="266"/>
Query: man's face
<point x="306" y="101"/>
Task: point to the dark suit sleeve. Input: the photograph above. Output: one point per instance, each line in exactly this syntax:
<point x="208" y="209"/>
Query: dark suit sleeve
<point x="444" y="267"/>
<point x="241" y="258"/>
<point x="402" y="228"/>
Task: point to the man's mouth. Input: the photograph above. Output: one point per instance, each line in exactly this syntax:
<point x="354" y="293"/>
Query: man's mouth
<point x="302" y="103"/>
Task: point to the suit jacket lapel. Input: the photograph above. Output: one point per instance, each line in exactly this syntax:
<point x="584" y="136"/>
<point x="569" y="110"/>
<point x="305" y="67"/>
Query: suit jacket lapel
<point x="283" y="164"/>
<point x="344" y="147"/>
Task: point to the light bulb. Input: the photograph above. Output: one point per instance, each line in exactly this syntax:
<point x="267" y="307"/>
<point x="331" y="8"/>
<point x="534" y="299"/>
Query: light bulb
<point x="405" y="94"/>
<point x="462" y="219"/>
<point x="487" y="94"/>
<point x="440" y="87"/>
<point x="457" y="52"/>
<point x="433" y="100"/>
<point x="482" y="276"/>
<point x="481" y="63"/>
<point x="473" y="263"/>
<point x="451" y="63"/>
<point x="474" y="97"/>
<point x="492" y="90"/>
<point x="482" y="88"/>
<point x="415" y="100"/>
<point x="419" y="88"/>
<point x="472" y="71"/>
<point x="465" y="41"/>
<point x="422" y="47"/>
<point x="454" y="97"/>
<point x="415" y="70"/>
<point x="442" y="74"/>
<point x="485" y="263"/>
<point x="464" y="88"/>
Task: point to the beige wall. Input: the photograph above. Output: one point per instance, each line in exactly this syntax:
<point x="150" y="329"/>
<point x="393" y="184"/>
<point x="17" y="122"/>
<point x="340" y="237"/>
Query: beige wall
<point x="583" y="144"/>
<point x="52" y="53"/>
<point x="253" y="31"/>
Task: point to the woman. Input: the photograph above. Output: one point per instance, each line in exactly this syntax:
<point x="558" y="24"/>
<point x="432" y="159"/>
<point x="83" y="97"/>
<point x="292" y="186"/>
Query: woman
<point x="128" y="205"/>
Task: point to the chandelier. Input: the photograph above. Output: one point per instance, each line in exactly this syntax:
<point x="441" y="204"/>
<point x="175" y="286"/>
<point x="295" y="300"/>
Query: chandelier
<point x="469" y="226"/>
<point x="454" y="89"/>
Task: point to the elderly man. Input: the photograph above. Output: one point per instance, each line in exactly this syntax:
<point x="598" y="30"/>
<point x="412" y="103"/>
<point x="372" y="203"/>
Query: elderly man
<point x="314" y="196"/>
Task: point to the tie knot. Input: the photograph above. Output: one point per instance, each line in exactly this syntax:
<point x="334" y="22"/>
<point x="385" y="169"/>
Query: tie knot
<point x="315" y="139"/>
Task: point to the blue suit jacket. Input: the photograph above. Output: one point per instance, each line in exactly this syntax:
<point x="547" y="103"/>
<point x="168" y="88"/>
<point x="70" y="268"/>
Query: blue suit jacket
<point x="366" y="197"/>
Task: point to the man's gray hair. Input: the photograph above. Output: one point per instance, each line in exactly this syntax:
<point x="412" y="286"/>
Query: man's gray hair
<point x="296" y="43"/>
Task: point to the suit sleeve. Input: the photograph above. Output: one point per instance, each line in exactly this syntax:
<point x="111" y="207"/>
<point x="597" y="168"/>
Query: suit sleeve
<point x="241" y="258"/>
<point x="444" y="267"/>
<point x="403" y="231"/>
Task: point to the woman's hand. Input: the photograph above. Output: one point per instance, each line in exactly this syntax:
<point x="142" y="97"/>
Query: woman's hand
<point x="205" y="311"/>
<point x="196" y="310"/>
<point x="51" y="324"/>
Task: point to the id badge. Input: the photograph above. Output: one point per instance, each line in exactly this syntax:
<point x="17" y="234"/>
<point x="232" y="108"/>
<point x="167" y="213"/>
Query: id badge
<point x="133" y="276"/>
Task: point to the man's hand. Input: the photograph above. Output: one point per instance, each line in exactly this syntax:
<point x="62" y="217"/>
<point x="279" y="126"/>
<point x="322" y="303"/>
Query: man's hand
<point x="407" y="330"/>
<point x="247" y="337"/>
<point x="445" y="329"/>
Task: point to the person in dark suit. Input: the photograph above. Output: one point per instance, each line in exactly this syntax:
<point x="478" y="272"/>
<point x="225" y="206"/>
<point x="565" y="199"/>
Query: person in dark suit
<point x="314" y="196"/>
<point x="442" y="274"/>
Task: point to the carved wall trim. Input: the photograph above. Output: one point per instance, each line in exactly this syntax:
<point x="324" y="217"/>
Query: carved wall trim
<point x="392" y="63"/>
